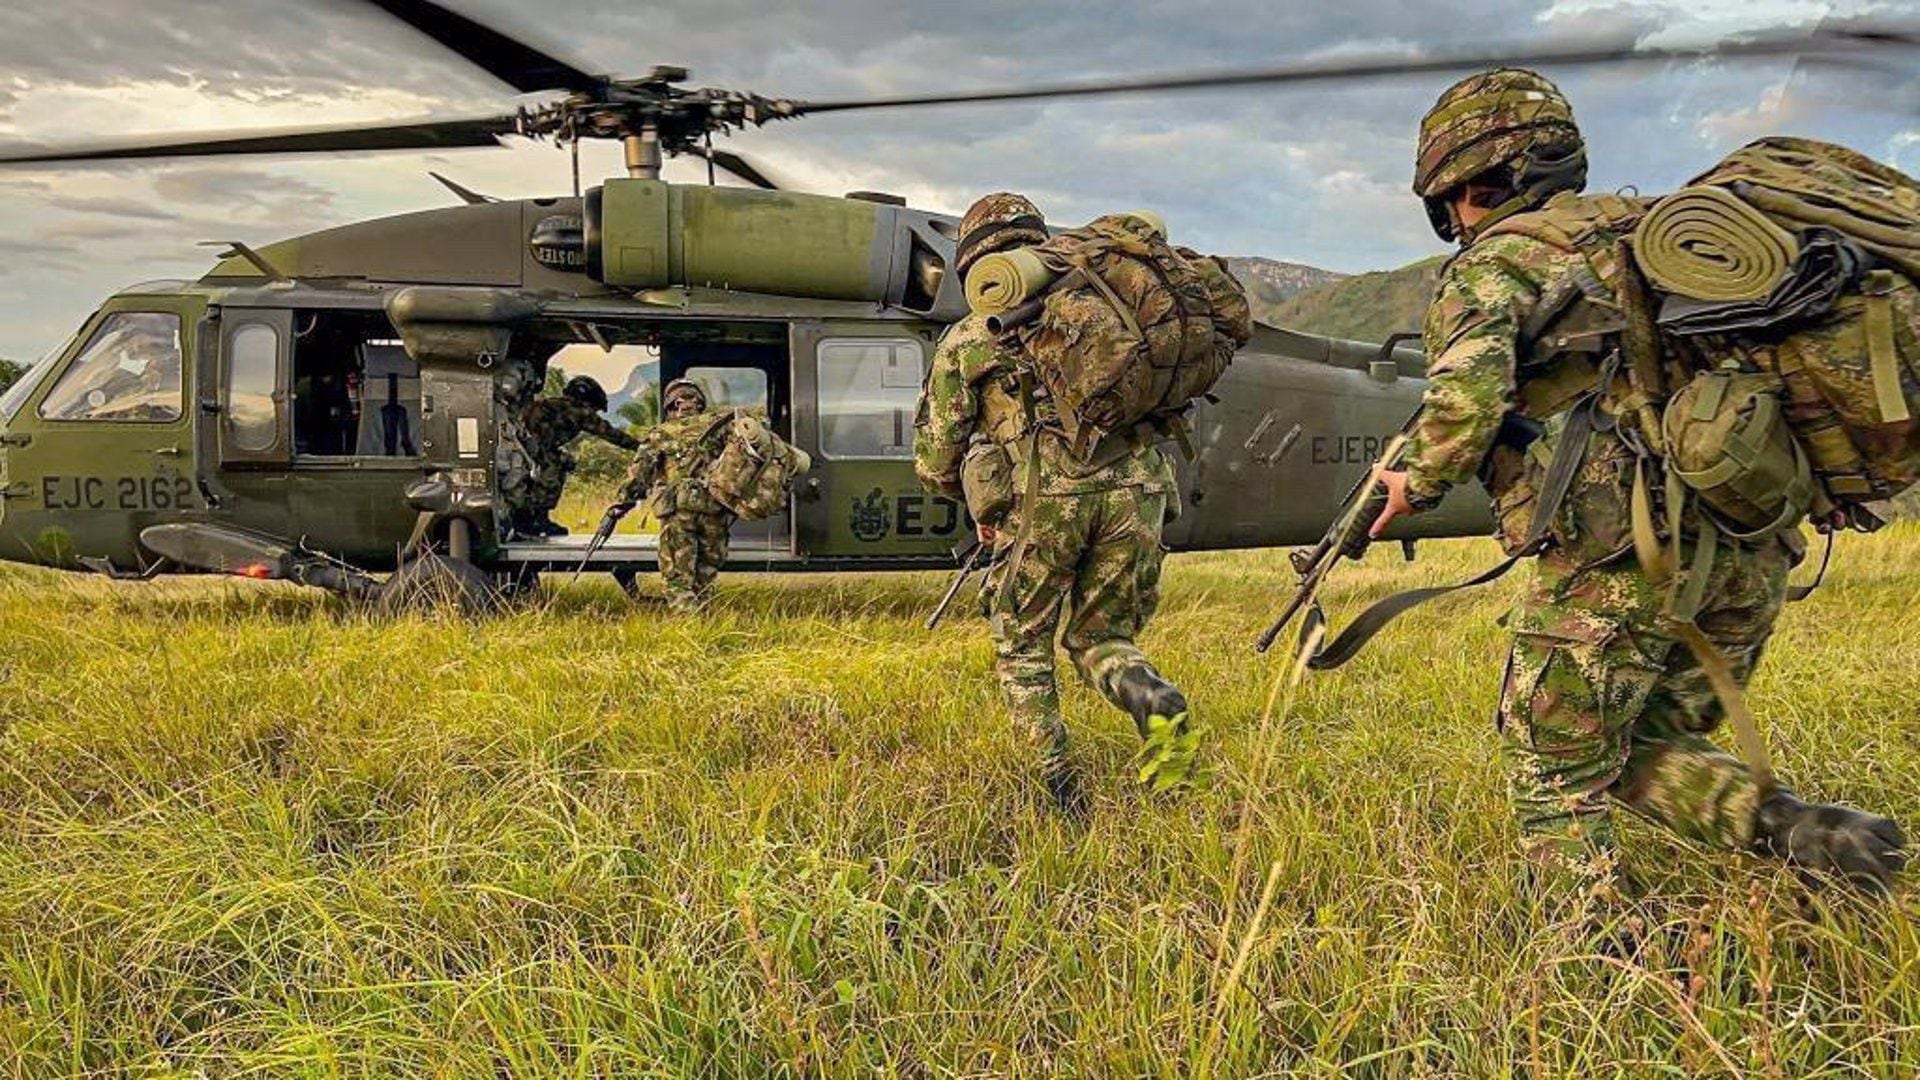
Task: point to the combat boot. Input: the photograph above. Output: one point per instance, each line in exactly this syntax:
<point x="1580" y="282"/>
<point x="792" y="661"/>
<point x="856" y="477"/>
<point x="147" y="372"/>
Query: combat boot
<point x="1820" y="839"/>
<point x="1065" y="789"/>
<point x="1170" y="741"/>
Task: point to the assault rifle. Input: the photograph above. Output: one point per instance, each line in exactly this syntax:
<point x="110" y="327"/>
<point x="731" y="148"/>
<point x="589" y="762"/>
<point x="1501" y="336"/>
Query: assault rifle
<point x="969" y="556"/>
<point x="600" y="536"/>
<point x="1346" y="538"/>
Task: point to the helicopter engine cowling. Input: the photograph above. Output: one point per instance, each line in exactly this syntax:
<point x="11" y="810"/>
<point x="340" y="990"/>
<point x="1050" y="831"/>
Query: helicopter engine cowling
<point x="648" y="234"/>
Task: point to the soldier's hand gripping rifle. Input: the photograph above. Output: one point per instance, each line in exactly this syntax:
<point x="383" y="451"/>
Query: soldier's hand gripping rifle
<point x="601" y="535"/>
<point x="1347" y="537"/>
<point x="968" y="563"/>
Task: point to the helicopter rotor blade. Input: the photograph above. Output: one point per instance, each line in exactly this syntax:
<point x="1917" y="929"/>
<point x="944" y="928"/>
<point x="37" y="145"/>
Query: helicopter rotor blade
<point x="514" y="62"/>
<point x="1834" y="42"/>
<point x="737" y="165"/>
<point x="425" y="135"/>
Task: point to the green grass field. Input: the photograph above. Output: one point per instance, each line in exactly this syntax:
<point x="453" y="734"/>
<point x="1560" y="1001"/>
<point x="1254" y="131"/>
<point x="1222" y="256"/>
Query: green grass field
<point x="250" y="831"/>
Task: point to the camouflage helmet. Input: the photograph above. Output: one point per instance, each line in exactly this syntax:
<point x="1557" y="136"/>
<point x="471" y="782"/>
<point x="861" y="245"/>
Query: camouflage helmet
<point x="1509" y="116"/>
<point x="680" y="388"/>
<point x="997" y="222"/>
<point x="584" y="390"/>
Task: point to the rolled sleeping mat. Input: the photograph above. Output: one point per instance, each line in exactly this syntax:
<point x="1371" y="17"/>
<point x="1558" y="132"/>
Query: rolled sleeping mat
<point x="1707" y="244"/>
<point x="1004" y="280"/>
<point x="1152" y="219"/>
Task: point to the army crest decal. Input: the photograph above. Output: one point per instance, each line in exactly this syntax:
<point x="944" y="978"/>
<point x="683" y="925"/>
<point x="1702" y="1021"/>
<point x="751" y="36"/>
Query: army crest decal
<point x="868" y="518"/>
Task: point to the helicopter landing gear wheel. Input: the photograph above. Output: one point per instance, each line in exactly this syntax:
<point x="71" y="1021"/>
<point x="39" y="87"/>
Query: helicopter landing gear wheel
<point x="434" y="582"/>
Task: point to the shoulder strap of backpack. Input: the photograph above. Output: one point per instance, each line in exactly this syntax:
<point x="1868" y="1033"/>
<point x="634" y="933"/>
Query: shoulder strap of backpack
<point x="1003" y="603"/>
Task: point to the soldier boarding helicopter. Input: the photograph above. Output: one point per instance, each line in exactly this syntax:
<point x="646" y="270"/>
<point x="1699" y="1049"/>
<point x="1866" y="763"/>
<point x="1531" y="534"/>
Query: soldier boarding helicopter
<point x="244" y="422"/>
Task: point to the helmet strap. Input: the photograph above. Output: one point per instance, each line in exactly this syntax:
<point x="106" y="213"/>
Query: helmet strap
<point x="1537" y="182"/>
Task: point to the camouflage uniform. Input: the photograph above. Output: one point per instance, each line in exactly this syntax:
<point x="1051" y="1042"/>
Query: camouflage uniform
<point x="546" y="430"/>
<point x="668" y="470"/>
<point x="1600" y="702"/>
<point x="1092" y="557"/>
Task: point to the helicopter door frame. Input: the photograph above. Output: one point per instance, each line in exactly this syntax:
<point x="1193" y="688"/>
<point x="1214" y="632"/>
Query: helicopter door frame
<point x="234" y="450"/>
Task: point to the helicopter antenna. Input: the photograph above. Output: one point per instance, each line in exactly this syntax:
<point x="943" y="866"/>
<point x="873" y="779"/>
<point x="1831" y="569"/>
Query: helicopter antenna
<point x="466" y="194"/>
<point x="259" y="261"/>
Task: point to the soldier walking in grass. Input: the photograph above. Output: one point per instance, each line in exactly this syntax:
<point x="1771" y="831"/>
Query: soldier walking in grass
<point x="669" y="470"/>
<point x="1088" y="568"/>
<point x="1603" y="704"/>
<point x="547" y="429"/>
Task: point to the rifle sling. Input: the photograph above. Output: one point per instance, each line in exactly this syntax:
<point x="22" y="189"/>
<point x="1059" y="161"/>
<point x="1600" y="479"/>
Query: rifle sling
<point x="1797" y="593"/>
<point x="1568" y="454"/>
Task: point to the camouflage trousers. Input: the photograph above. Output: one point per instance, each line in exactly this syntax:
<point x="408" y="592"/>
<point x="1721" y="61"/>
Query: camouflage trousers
<point x="1602" y="706"/>
<point x="693" y="548"/>
<point x="514" y="468"/>
<point x="1090" y="577"/>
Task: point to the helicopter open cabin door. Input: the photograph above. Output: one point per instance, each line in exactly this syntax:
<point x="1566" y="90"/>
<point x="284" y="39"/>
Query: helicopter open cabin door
<point x="746" y="371"/>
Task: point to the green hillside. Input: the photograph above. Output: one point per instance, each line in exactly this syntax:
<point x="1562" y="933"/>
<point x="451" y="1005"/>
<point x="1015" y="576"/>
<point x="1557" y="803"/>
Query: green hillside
<point x="1365" y="307"/>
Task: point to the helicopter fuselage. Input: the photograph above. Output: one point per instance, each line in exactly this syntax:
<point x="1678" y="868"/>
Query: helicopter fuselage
<point x="299" y="393"/>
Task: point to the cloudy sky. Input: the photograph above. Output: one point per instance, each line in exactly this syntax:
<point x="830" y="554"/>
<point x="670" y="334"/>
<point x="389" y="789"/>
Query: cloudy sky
<point x="1312" y="175"/>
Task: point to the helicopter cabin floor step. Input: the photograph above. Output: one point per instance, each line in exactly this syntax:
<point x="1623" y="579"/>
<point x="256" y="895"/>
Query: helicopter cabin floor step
<point x="629" y="549"/>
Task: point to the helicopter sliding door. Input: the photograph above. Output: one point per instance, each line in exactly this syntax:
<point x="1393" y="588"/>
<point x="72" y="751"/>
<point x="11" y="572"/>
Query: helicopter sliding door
<point x="858" y="384"/>
<point x="244" y="428"/>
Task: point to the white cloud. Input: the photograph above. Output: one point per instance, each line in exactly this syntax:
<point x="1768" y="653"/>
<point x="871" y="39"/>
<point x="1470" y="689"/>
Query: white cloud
<point x="1903" y="151"/>
<point x="1314" y="174"/>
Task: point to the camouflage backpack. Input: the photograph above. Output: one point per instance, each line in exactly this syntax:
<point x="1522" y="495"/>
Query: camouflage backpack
<point x="1232" y="317"/>
<point x="1799" y="259"/>
<point x="753" y="469"/>
<point x="1130" y="332"/>
<point x="1715" y="439"/>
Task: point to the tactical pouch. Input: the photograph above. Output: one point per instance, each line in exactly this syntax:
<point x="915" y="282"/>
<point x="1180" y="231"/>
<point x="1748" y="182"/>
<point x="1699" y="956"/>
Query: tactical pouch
<point x="986" y="477"/>
<point x="1728" y="442"/>
<point x="751" y="473"/>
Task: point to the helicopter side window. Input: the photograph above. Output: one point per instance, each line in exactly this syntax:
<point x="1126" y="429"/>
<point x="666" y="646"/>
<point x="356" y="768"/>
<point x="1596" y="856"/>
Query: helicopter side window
<point x="129" y="371"/>
<point x="868" y="389"/>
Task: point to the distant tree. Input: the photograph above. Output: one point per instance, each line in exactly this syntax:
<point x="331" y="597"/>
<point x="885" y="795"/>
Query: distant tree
<point x="556" y="381"/>
<point x="641" y="412"/>
<point x="10" y="372"/>
<point x="600" y="464"/>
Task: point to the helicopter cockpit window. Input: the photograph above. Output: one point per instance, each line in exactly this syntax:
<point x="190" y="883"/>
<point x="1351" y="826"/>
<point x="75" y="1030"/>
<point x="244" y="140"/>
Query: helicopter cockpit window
<point x="130" y="371"/>
<point x="356" y="392"/>
<point x="24" y="383"/>
<point x="868" y="388"/>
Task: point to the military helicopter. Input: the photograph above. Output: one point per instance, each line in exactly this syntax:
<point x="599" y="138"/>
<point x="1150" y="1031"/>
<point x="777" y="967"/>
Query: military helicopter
<point x="328" y="408"/>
